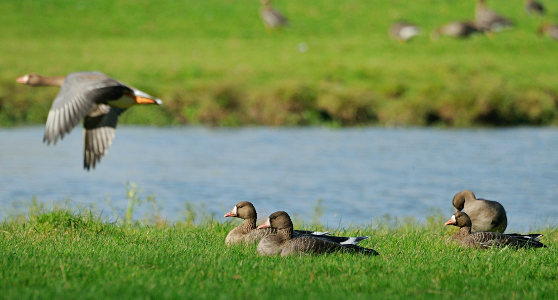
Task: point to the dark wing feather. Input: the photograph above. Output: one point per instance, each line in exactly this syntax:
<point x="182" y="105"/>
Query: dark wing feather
<point x="99" y="128"/>
<point x="314" y="244"/>
<point x="79" y="92"/>
<point x="494" y="239"/>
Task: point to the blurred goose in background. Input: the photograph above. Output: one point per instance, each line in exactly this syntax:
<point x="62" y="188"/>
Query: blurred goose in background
<point x="534" y="7"/>
<point x="285" y="243"/>
<point x="93" y="97"/>
<point x="489" y="239"/>
<point x="455" y="29"/>
<point x="550" y="30"/>
<point x="486" y="215"/>
<point x="488" y="20"/>
<point x="403" y="31"/>
<point x="247" y="232"/>
<point x="271" y="17"/>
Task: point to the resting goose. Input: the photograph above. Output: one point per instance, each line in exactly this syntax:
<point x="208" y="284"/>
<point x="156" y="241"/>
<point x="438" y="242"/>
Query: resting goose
<point x="271" y="17"/>
<point x="534" y="7"/>
<point x="486" y="215"/>
<point x="247" y="232"/>
<point x="489" y="21"/>
<point x="93" y="97"/>
<point x="455" y="29"/>
<point x="403" y="31"/>
<point x="550" y="30"/>
<point x="489" y="239"/>
<point x="285" y="243"/>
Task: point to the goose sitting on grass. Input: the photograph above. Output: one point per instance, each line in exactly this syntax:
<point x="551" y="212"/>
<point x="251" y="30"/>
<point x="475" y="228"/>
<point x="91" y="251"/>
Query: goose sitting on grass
<point x="489" y="239"/>
<point x="456" y="29"/>
<point x="272" y="18"/>
<point x="403" y="31"/>
<point x="534" y="7"/>
<point x="93" y="97"/>
<point x="247" y="232"/>
<point x="284" y="242"/>
<point x="488" y="20"/>
<point x="550" y="30"/>
<point x="486" y="215"/>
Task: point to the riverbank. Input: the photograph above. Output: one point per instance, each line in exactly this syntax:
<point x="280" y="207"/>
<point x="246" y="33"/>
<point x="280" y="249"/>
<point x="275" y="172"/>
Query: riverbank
<point x="213" y="63"/>
<point x="60" y="253"/>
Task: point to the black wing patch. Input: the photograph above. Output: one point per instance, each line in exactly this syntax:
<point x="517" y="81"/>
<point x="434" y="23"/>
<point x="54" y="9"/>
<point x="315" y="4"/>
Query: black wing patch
<point x="99" y="129"/>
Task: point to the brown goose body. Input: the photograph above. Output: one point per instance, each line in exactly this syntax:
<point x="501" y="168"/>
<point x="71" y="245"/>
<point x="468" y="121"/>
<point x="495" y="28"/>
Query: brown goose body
<point x="247" y="232"/>
<point x="485" y="240"/>
<point x="93" y="97"/>
<point x="486" y="215"/>
<point x="550" y="30"/>
<point x="282" y="241"/>
<point x="403" y="31"/>
<point x="457" y="29"/>
<point x="488" y="20"/>
<point x="534" y="7"/>
<point x="271" y="17"/>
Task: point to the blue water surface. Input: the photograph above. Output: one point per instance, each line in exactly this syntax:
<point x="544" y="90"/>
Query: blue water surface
<point x="361" y="174"/>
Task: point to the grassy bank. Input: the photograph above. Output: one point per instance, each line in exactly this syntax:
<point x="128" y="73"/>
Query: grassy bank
<point x="212" y="62"/>
<point x="63" y="254"/>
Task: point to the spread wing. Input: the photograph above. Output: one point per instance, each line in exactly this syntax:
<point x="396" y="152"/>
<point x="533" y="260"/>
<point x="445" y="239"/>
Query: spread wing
<point x="99" y="127"/>
<point x="78" y="94"/>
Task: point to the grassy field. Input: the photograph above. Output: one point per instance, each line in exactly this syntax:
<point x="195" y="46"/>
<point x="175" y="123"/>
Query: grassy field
<point x="66" y="254"/>
<point x="212" y="62"/>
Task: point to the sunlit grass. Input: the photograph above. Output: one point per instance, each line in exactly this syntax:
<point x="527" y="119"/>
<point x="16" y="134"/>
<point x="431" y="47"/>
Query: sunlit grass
<point x="64" y="253"/>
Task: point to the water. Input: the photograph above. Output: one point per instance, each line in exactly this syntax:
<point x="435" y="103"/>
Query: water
<point x="360" y="174"/>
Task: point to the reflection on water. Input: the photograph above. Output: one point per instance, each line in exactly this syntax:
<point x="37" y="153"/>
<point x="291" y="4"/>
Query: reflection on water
<point x="360" y="174"/>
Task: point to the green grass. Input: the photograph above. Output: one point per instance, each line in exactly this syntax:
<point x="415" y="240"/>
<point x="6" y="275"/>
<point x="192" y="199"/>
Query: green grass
<point x="66" y="254"/>
<point x="213" y="62"/>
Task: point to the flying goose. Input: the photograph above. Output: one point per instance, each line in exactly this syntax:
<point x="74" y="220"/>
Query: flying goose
<point x="93" y="97"/>
<point x="486" y="215"/>
<point x="247" y="232"/>
<point x="489" y="239"/>
<point x="284" y="242"/>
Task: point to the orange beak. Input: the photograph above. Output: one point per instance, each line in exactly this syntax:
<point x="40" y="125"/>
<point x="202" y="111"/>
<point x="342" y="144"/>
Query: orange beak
<point x="231" y="213"/>
<point x="266" y="224"/>
<point x="451" y="221"/>
<point x="145" y="100"/>
<point x="23" y="79"/>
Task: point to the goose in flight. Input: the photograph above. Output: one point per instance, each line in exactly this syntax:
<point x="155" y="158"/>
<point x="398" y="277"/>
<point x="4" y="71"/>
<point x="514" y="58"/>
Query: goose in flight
<point x="94" y="97"/>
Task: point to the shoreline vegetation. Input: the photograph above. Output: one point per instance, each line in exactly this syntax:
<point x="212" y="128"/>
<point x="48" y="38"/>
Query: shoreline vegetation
<point x="213" y="63"/>
<point x="67" y="253"/>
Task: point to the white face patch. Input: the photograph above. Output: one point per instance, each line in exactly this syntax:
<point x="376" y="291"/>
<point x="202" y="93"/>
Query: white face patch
<point x="453" y="218"/>
<point x="234" y="210"/>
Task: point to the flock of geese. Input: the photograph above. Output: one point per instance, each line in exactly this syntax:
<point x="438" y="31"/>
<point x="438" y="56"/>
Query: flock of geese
<point x="486" y="21"/>
<point x="481" y="226"/>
